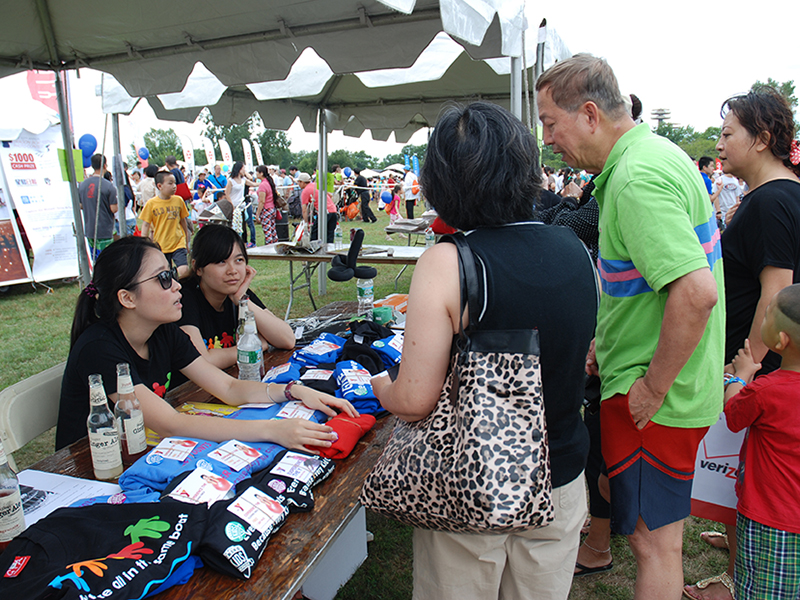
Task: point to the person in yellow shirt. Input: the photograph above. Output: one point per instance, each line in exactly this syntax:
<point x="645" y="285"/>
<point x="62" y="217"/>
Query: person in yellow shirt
<point x="165" y="222"/>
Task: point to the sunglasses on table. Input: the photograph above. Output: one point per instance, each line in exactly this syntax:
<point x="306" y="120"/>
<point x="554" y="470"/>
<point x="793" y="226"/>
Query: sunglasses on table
<point x="164" y="278"/>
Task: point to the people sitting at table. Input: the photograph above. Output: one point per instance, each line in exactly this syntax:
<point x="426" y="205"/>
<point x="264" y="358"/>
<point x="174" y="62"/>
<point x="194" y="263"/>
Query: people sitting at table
<point x="220" y="276"/>
<point x="127" y="314"/>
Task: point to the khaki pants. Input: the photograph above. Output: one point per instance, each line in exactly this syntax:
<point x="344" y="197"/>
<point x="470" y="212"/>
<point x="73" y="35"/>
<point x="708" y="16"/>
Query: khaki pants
<point x="536" y="564"/>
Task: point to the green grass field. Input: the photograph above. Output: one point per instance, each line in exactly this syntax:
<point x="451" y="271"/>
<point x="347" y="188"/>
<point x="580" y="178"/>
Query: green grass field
<point x="34" y="327"/>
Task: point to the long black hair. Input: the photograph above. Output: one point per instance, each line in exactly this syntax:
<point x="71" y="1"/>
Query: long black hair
<point x="117" y="268"/>
<point x="214" y="243"/>
<point x="268" y="178"/>
<point x="237" y="167"/>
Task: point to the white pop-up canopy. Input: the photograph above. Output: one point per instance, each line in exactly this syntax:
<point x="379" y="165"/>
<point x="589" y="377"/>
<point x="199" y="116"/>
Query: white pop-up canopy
<point x="151" y="49"/>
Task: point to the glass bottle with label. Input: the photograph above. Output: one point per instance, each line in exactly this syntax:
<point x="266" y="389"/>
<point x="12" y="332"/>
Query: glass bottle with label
<point x="130" y="420"/>
<point x="12" y="521"/>
<point x="103" y="433"/>
<point x="243" y="309"/>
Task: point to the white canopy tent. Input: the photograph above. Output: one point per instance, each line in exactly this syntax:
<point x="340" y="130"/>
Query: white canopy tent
<point x="150" y="50"/>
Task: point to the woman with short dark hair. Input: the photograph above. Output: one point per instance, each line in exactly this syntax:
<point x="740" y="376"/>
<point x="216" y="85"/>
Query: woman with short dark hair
<point x="481" y="174"/>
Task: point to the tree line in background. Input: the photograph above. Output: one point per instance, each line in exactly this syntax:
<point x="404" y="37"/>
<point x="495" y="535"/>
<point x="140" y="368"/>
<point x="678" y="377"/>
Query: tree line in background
<point x="695" y="143"/>
<point x="275" y="147"/>
<point x="275" y="144"/>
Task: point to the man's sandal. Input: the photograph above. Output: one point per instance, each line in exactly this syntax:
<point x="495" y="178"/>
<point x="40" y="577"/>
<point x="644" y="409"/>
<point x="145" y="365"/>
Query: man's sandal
<point x="709" y="536"/>
<point x="724" y="579"/>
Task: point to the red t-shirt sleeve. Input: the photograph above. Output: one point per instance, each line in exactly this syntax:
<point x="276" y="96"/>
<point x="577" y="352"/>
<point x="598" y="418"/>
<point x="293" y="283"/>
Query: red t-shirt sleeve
<point x="744" y="408"/>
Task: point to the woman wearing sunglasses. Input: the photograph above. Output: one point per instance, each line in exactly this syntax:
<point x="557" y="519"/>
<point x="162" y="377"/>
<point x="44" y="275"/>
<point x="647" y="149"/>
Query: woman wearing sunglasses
<point x="127" y="314"/>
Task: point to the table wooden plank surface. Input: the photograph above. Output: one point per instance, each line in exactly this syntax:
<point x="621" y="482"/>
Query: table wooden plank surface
<point x="293" y="552"/>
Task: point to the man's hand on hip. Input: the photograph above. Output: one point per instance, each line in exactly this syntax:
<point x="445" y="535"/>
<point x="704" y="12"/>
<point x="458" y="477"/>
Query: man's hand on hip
<point x="643" y="403"/>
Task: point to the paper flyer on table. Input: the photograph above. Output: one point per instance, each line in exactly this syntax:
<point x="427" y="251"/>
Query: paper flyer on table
<point x="42" y="493"/>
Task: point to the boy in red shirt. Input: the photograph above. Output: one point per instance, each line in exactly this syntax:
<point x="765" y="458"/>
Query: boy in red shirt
<point x="768" y="485"/>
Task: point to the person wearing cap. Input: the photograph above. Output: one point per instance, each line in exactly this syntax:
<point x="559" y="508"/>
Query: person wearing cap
<point x="411" y="191"/>
<point x="308" y="198"/>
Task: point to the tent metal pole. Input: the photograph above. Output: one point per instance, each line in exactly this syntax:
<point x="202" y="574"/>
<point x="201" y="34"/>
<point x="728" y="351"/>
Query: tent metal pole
<point x="538" y="69"/>
<point x="119" y="176"/>
<point x="516" y="86"/>
<point x="66" y="135"/>
<point x="322" y="188"/>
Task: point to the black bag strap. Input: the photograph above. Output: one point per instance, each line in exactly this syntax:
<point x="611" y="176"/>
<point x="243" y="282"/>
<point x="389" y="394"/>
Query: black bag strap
<point x="468" y="279"/>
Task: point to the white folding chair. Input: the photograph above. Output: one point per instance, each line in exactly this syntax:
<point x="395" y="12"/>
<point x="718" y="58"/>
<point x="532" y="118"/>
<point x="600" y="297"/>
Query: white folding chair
<point x="29" y="408"/>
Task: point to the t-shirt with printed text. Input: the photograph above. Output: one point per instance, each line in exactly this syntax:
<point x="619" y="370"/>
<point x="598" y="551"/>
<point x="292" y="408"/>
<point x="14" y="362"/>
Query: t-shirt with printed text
<point x="165" y="217"/>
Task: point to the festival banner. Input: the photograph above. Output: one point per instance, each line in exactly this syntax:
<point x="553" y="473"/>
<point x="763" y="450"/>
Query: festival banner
<point x="248" y="155"/>
<point x="14" y="267"/>
<point x="259" y="158"/>
<point x="188" y="153"/>
<point x="715" y="471"/>
<point x="209" y="149"/>
<point x="227" y="155"/>
<point x="43" y="201"/>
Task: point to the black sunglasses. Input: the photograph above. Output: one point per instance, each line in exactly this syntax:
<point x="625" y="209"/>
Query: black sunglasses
<point x="164" y="278"/>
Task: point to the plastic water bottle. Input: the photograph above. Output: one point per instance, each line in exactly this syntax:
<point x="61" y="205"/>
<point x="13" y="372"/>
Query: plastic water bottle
<point x="130" y="420"/>
<point x="337" y="238"/>
<point x="249" y="355"/>
<point x="12" y="520"/>
<point x="366" y="298"/>
<point x="430" y="238"/>
<point x="103" y="433"/>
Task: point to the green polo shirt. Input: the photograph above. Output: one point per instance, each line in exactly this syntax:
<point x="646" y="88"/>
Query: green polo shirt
<point x="656" y="225"/>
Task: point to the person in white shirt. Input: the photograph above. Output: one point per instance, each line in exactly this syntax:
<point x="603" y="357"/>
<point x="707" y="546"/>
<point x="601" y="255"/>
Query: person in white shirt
<point x="411" y="191"/>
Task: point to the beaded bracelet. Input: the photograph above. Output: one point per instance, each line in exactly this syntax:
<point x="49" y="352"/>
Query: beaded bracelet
<point x="738" y="380"/>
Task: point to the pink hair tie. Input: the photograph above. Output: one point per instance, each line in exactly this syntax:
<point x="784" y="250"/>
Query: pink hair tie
<point x="90" y="290"/>
<point x="794" y="153"/>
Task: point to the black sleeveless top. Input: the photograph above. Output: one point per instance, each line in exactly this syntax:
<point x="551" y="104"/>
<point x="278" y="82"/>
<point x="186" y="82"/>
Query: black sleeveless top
<point x="539" y="276"/>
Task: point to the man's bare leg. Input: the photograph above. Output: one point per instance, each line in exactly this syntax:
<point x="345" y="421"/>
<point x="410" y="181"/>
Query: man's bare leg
<point x="659" y="564"/>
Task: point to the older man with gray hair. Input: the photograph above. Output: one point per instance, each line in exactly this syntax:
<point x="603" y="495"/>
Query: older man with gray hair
<point x="660" y="328"/>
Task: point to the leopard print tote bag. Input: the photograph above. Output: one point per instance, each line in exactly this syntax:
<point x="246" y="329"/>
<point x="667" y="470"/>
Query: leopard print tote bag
<point x="479" y="463"/>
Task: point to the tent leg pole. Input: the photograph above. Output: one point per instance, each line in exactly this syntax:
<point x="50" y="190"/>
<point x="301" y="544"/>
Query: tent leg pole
<point x="516" y="86"/>
<point x="119" y="182"/>
<point x="322" y="210"/>
<point x="66" y="134"/>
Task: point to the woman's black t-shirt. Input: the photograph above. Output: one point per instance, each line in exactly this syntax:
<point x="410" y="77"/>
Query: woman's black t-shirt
<point x="764" y="232"/>
<point x="216" y="327"/>
<point x="98" y="350"/>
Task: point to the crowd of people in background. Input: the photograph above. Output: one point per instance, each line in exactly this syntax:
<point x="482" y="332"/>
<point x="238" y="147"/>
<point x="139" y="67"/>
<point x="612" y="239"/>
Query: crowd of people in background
<point x="699" y="266"/>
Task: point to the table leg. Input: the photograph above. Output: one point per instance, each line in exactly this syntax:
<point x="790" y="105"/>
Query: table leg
<point x="309" y="269"/>
<point x="398" y="276"/>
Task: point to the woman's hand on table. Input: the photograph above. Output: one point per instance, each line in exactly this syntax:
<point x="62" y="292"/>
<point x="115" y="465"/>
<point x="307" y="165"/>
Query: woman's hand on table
<point x="250" y="274"/>
<point x="322" y="401"/>
<point x="299" y="434"/>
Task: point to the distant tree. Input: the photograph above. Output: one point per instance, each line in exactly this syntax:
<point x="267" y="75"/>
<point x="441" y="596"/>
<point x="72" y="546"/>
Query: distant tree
<point x="274" y="144"/>
<point x="200" y="157"/>
<point x="695" y="143"/>
<point x="409" y="150"/>
<point x="306" y="161"/>
<point x="786" y="89"/>
<point x="274" y="147"/>
<point x="551" y="159"/>
<point x="161" y="143"/>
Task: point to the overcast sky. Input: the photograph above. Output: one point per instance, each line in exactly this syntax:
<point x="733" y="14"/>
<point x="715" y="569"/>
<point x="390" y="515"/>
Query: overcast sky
<point x="687" y="57"/>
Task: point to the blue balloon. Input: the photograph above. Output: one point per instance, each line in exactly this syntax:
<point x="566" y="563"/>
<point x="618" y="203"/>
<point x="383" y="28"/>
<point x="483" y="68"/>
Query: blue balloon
<point x="226" y="168"/>
<point x="88" y="144"/>
<point x="386" y="197"/>
<point x="144" y="153"/>
<point x="87" y="161"/>
<point x="348" y="171"/>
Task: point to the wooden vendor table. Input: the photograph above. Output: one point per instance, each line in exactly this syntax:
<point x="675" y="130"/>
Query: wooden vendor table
<point x="401" y="255"/>
<point x="302" y="543"/>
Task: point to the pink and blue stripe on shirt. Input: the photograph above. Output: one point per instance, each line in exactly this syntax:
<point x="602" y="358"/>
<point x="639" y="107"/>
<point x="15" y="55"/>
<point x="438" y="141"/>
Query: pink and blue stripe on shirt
<point x="621" y="278"/>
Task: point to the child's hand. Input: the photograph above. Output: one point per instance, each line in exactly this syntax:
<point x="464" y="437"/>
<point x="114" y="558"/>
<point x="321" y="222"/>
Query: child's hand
<point x="744" y="365"/>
